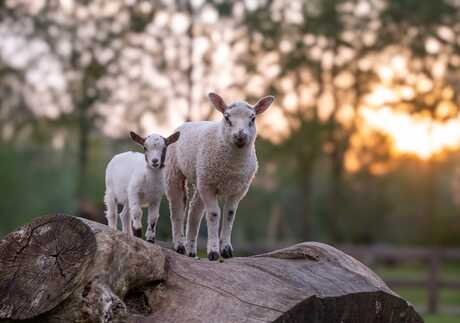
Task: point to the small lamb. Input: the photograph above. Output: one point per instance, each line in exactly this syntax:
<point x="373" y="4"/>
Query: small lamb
<point x="218" y="159"/>
<point x="136" y="180"/>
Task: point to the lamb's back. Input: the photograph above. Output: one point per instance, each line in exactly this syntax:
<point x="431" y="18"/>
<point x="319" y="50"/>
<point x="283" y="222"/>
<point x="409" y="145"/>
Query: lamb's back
<point x="120" y="170"/>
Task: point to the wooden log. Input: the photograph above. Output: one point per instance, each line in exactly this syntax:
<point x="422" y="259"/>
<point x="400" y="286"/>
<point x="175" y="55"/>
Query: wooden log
<point x="42" y="264"/>
<point x="116" y="278"/>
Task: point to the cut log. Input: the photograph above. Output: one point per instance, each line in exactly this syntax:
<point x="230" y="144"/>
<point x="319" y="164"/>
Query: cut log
<point x="42" y="264"/>
<point x="103" y="275"/>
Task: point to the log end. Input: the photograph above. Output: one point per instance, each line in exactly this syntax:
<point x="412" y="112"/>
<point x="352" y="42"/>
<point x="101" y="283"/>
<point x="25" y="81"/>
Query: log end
<point x="42" y="263"/>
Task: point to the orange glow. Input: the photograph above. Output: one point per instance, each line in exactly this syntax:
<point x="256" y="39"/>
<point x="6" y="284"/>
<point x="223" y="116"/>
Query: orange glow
<point x="417" y="135"/>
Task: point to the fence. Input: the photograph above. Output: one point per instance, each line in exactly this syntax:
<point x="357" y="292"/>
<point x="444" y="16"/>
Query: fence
<point x="432" y="258"/>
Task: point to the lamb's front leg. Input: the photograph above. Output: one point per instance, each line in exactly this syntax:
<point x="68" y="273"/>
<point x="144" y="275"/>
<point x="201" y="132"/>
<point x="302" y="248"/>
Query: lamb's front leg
<point x="153" y="216"/>
<point x="134" y="203"/>
<point x="209" y="197"/>
<point x="228" y="217"/>
<point x="135" y="212"/>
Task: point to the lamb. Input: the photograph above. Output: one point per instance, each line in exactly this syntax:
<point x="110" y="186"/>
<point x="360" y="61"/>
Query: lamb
<point x="217" y="159"/>
<point x="136" y="180"/>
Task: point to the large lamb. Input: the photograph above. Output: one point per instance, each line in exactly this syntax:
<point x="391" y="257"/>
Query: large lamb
<point x="136" y="180"/>
<point x="217" y="159"/>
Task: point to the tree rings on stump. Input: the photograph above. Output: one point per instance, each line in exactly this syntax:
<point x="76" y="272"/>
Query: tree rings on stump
<point x="42" y="263"/>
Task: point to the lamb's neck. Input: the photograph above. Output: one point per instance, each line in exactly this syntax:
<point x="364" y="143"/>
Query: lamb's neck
<point x="234" y="155"/>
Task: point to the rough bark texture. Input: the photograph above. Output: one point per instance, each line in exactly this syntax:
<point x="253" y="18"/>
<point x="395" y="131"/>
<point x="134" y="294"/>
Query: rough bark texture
<point x="124" y="279"/>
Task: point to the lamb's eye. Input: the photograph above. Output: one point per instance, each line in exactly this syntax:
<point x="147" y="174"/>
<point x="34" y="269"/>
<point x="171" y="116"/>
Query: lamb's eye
<point x="145" y="148"/>
<point x="227" y="120"/>
<point x="253" y="119"/>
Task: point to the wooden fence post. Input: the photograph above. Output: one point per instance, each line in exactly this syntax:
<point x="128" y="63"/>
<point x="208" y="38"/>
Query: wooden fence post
<point x="433" y="282"/>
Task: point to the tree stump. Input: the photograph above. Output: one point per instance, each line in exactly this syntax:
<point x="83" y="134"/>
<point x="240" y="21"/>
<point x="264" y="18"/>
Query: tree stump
<point x="65" y="269"/>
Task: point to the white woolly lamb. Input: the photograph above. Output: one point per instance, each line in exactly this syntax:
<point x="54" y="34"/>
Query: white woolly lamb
<point x="218" y="159"/>
<point x="135" y="180"/>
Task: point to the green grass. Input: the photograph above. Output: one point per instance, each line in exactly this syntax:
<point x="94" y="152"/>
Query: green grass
<point x="441" y="319"/>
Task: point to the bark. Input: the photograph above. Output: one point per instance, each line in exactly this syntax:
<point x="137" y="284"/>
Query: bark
<point x="95" y="274"/>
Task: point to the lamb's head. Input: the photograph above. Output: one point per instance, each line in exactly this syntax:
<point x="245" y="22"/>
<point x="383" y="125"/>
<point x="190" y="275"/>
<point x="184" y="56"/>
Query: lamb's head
<point x="239" y="119"/>
<point x="155" y="147"/>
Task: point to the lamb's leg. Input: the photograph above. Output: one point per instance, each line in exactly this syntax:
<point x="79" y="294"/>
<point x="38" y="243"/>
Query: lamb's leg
<point x="195" y="214"/>
<point x="135" y="212"/>
<point x="228" y="217"/>
<point x="126" y="220"/>
<point x="154" y="214"/>
<point x="209" y="197"/>
<point x="175" y="191"/>
<point x="111" y="212"/>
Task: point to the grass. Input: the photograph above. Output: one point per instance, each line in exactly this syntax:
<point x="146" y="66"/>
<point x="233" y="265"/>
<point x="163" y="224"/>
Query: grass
<point x="441" y="319"/>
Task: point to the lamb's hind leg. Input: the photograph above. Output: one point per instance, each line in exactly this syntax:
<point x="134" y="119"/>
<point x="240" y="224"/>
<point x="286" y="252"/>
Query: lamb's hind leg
<point x="126" y="220"/>
<point x="111" y="209"/>
<point x="175" y="191"/>
<point x="195" y="214"/>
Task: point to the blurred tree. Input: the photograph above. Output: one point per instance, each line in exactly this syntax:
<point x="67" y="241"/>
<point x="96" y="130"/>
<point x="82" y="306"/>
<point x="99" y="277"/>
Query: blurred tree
<point x="318" y="49"/>
<point x="98" y="64"/>
<point x="426" y="79"/>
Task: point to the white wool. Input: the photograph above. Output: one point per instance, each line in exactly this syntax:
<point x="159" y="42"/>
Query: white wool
<point x="136" y="180"/>
<point x="129" y="178"/>
<point x="203" y="154"/>
<point x="211" y="157"/>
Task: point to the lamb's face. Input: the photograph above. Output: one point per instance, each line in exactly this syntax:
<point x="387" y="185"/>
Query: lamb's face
<point x="155" y="151"/>
<point x="239" y="119"/>
<point x="154" y="147"/>
<point x="240" y="126"/>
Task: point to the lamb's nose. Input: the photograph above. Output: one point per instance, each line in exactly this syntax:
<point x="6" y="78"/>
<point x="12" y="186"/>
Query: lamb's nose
<point x="155" y="162"/>
<point x="241" y="135"/>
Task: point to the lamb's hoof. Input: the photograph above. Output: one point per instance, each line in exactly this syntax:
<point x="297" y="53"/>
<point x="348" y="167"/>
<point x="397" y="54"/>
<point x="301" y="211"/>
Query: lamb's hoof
<point x="227" y="252"/>
<point x="151" y="240"/>
<point x="180" y="249"/>
<point x="213" y="255"/>
<point x="137" y="232"/>
<point x="192" y="254"/>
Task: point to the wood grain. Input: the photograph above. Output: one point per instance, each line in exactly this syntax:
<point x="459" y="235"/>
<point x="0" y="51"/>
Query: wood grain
<point x="130" y="280"/>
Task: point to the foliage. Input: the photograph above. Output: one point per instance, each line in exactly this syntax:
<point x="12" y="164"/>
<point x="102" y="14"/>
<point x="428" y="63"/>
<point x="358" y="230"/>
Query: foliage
<point x="147" y="65"/>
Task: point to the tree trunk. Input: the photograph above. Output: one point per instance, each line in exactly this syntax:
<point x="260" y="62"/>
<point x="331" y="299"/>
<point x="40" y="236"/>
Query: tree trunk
<point x="305" y="189"/>
<point x="83" y="146"/>
<point x="65" y="269"/>
<point x="336" y="206"/>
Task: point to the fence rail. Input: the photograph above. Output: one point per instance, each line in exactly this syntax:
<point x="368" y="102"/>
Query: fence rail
<point x="433" y="258"/>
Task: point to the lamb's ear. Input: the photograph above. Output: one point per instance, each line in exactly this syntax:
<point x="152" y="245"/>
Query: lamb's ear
<point x="136" y="138"/>
<point x="173" y="138"/>
<point x="218" y="102"/>
<point x="263" y="104"/>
